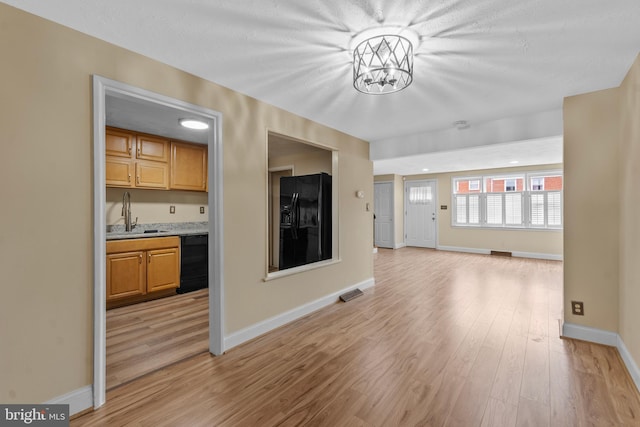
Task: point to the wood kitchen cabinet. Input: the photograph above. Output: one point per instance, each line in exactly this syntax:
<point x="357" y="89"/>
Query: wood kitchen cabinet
<point x="125" y="275"/>
<point x="188" y="166"/>
<point x="142" y="269"/>
<point x="135" y="160"/>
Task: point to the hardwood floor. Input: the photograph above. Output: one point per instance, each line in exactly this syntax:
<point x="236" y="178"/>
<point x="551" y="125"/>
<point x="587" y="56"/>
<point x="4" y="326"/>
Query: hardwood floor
<point x="443" y="339"/>
<point x="145" y="337"/>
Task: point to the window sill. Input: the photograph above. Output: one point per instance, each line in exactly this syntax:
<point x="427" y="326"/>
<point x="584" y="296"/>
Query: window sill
<point x="301" y="269"/>
<point x="480" y="227"/>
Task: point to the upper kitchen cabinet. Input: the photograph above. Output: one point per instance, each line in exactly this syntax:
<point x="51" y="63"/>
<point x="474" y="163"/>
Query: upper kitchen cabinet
<point x="152" y="148"/>
<point x="188" y="166"/>
<point x="130" y="152"/>
<point x="119" y="143"/>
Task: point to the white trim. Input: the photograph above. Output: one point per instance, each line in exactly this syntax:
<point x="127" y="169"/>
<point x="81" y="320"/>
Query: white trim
<point x="399" y="245"/>
<point x="585" y="333"/>
<point x="609" y="338"/>
<point x="518" y="254"/>
<point x="101" y="87"/>
<point x="551" y="257"/>
<point x="467" y="250"/>
<point x="78" y="400"/>
<point x="274" y="322"/>
<point x="375" y="249"/>
<point x="300" y="269"/>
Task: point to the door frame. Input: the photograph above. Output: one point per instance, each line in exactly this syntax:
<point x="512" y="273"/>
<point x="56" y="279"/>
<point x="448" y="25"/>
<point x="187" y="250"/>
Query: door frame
<point x="393" y="211"/>
<point x="406" y="207"/>
<point x="101" y="88"/>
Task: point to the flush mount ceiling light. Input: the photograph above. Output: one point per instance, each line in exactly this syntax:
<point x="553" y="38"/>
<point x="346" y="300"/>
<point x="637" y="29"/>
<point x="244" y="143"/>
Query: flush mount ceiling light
<point x="383" y="59"/>
<point x="193" y="124"/>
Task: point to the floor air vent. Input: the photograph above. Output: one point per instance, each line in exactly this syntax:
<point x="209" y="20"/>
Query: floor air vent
<point x="351" y="295"/>
<point x="500" y="253"/>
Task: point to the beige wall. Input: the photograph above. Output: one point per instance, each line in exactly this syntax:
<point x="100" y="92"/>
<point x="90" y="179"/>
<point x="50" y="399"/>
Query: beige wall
<point x="305" y="164"/>
<point x="548" y="242"/>
<point x="629" y="175"/>
<point x="591" y="208"/>
<point x="152" y="206"/>
<point x="46" y="243"/>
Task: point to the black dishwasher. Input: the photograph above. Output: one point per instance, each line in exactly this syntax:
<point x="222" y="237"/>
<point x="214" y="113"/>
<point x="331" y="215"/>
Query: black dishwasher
<point x="194" y="263"/>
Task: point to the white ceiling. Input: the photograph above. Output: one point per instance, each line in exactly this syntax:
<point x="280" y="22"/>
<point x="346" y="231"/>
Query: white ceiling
<point x="484" y="62"/>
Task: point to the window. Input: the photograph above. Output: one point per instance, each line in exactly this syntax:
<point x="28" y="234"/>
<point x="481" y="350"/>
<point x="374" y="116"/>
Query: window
<point x="537" y="184"/>
<point x="533" y="200"/>
<point x="420" y="195"/>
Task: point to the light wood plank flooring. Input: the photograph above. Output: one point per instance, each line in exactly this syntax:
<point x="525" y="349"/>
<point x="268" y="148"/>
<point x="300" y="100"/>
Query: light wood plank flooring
<point x="145" y="337"/>
<point x="443" y="339"/>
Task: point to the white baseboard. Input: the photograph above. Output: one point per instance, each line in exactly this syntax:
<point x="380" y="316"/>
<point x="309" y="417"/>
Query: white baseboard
<point x="585" y="333"/>
<point x="375" y="249"/>
<point x="599" y="336"/>
<point x="553" y="257"/>
<point x="399" y="245"/>
<point x="265" y="326"/>
<point x="78" y="400"/>
<point x="460" y="249"/>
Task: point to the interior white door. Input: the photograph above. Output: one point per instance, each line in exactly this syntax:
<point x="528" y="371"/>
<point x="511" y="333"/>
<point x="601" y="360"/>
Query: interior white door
<point x="383" y="210"/>
<point x="420" y="213"/>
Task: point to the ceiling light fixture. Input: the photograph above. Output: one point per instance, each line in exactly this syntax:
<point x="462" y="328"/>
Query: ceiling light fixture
<point x="193" y="124"/>
<point x="383" y="60"/>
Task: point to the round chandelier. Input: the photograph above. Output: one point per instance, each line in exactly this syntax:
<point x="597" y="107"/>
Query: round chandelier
<point x="383" y="60"/>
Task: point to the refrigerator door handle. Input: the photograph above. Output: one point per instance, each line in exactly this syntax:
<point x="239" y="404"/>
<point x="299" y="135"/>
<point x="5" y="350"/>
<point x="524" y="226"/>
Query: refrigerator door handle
<point x="294" y="216"/>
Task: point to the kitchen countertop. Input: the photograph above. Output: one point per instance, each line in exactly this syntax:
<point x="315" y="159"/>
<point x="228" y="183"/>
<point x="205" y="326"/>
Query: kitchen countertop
<point x="116" y="232"/>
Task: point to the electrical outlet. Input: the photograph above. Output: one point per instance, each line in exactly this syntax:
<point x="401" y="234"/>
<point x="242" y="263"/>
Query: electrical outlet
<point x="577" y="308"/>
<point x="201" y="209"/>
<point x="172" y="209"/>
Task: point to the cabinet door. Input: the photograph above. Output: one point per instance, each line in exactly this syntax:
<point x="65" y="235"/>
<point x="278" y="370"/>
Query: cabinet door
<point x="188" y="166"/>
<point x="152" y="175"/>
<point x="152" y="148"/>
<point x="126" y="273"/>
<point x="118" y="172"/>
<point x="163" y="269"/>
<point x="119" y="143"/>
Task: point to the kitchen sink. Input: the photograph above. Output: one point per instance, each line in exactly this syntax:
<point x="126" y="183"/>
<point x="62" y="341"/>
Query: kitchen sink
<point x="154" y="231"/>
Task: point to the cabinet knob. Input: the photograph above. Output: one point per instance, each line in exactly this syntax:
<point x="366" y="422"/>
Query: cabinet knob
<point x="129" y="178"/>
<point x="140" y="262"/>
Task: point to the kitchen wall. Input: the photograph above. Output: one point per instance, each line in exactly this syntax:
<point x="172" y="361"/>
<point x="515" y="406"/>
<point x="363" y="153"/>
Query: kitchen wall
<point x="46" y="238"/>
<point x="305" y="164"/>
<point x="545" y="243"/>
<point x="152" y="206"/>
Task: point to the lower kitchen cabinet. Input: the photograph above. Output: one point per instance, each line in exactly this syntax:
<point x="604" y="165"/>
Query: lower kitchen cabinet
<point x="142" y="269"/>
<point x="126" y="276"/>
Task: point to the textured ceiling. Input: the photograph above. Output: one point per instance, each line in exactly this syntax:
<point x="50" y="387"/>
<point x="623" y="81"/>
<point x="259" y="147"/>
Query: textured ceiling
<point x="478" y="61"/>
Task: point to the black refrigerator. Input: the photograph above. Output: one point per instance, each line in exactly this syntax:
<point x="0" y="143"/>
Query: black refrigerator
<point x="305" y="219"/>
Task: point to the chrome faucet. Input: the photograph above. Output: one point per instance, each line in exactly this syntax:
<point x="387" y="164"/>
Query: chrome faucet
<point x="126" y="212"/>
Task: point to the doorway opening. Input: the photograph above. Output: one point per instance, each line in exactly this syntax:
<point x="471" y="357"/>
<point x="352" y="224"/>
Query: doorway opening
<point x="102" y="89"/>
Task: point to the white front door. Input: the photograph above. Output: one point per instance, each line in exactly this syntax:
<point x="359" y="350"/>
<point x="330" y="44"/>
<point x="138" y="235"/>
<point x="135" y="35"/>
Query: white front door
<point x="420" y="213"/>
<point x="383" y="210"/>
